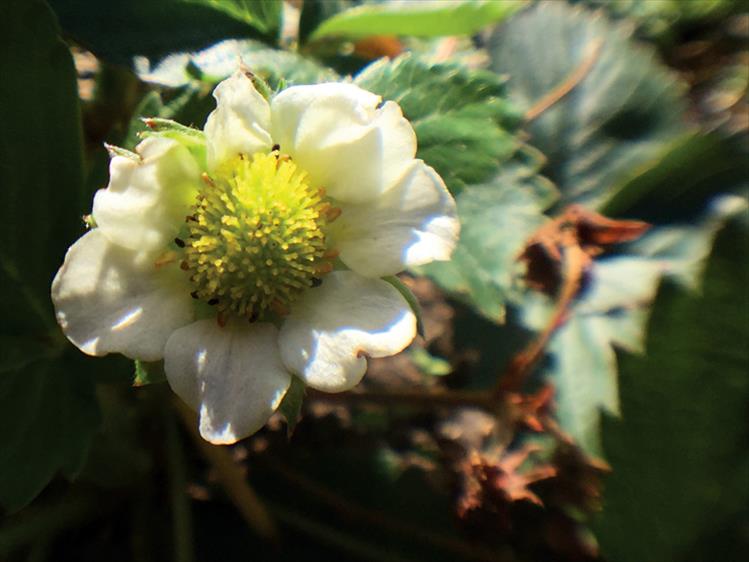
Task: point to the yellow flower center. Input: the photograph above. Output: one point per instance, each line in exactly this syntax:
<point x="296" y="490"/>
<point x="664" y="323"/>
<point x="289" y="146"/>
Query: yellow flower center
<point x="257" y="236"/>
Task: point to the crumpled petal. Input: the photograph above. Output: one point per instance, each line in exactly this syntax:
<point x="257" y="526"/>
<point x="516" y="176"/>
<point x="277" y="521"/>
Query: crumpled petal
<point x="348" y="145"/>
<point x="240" y="124"/>
<point x="330" y="330"/>
<point x="233" y="375"/>
<point x="108" y="299"/>
<point x="414" y="223"/>
<point x="147" y="200"/>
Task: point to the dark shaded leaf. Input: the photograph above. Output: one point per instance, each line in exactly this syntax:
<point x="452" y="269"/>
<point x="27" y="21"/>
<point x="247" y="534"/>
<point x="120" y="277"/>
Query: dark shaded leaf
<point x="47" y="406"/>
<point x="677" y="184"/>
<point x="118" y="30"/>
<point x="679" y="456"/>
<point x="49" y="413"/>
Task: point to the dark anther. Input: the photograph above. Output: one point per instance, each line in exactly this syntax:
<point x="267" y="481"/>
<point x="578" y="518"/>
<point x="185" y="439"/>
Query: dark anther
<point x="213" y="301"/>
<point x="184" y="266"/>
<point x="316" y="282"/>
<point x="179" y="242"/>
<point x="276" y="147"/>
<point x="194" y="294"/>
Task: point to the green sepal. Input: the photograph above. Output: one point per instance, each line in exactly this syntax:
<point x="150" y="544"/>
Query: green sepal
<point x="171" y="129"/>
<point x="291" y="405"/>
<point x="148" y="372"/>
<point x="192" y="139"/>
<point x="119" y="151"/>
<point x="411" y="299"/>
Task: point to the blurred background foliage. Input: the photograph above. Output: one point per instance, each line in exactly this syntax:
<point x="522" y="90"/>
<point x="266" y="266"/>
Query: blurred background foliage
<point x="581" y="389"/>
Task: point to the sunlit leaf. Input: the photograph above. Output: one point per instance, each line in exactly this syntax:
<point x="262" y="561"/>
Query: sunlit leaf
<point x="615" y="105"/>
<point x="219" y="61"/>
<point x="426" y="18"/>
<point x="497" y="218"/>
<point x="461" y="117"/>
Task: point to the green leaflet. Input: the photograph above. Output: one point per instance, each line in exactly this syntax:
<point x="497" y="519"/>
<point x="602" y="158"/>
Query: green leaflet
<point x="417" y="19"/>
<point x="624" y="108"/>
<point x="118" y="30"/>
<point x="47" y="404"/>
<point x="496" y="220"/>
<point x="462" y="118"/>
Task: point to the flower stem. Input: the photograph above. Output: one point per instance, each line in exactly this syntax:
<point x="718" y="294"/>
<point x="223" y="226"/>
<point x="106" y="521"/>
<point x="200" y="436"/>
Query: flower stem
<point x="180" y="502"/>
<point x="231" y="477"/>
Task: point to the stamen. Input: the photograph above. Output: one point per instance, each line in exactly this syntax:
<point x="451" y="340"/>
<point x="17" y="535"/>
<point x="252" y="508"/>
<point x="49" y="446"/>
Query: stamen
<point x="257" y="237"/>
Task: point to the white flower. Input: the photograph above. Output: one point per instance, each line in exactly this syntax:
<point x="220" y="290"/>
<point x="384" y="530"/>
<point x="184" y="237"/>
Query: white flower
<point x="255" y="252"/>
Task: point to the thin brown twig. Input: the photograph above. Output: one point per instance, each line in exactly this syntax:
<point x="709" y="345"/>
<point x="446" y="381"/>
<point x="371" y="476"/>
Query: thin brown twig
<point x="411" y="396"/>
<point x="569" y="84"/>
<point x="231" y="477"/>
<point x="573" y="265"/>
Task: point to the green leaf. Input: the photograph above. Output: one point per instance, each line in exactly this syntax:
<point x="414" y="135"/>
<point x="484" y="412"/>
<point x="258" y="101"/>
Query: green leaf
<point x="47" y="406"/>
<point x="219" y="61"/>
<point x="291" y="405"/>
<point x="49" y="414"/>
<point x="462" y="118"/>
<point x="42" y="197"/>
<point x="118" y="30"/>
<point x="263" y="15"/>
<point x="418" y="19"/>
<point x="314" y="12"/>
<point x="612" y="313"/>
<point x="583" y="369"/>
<point x="411" y="299"/>
<point x="429" y="364"/>
<point x="497" y="218"/>
<point x="691" y="171"/>
<point x="626" y="107"/>
<point x="148" y="372"/>
<point x="679" y="456"/>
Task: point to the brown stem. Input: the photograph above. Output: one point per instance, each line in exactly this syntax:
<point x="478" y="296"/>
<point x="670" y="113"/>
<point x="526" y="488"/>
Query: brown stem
<point x="410" y="396"/>
<point x="573" y="265"/>
<point x="569" y="83"/>
<point x="231" y="477"/>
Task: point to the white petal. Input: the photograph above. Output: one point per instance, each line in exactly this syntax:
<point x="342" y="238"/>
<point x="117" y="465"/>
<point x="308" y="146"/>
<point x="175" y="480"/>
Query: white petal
<point x="147" y="200"/>
<point x="232" y="375"/>
<point x="328" y="333"/>
<point x="240" y="122"/>
<point x="108" y="300"/>
<point x="347" y="144"/>
<point x="414" y="223"/>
